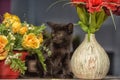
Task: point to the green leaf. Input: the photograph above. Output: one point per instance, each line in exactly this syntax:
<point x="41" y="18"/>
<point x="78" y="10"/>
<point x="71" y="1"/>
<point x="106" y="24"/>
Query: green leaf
<point x="83" y="15"/>
<point x="38" y="29"/>
<point x="92" y="21"/>
<point x="18" y="65"/>
<point x="18" y="42"/>
<point x="41" y="58"/>
<point x="101" y="17"/>
<point x="83" y="26"/>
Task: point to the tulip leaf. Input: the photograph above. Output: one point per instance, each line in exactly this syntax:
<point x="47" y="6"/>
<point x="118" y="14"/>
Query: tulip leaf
<point x="92" y="22"/>
<point x="83" y="15"/>
<point x="101" y="17"/>
<point x="83" y="26"/>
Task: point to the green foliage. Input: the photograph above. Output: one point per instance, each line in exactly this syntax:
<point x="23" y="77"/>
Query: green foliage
<point x="4" y="30"/>
<point x="41" y="58"/>
<point x="15" y="62"/>
<point x="18" y="65"/>
<point x="17" y="42"/>
<point x="37" y="29"/>
<point x="83" y="15"/>
<point x="90" y="22"/>
<point x="16" y="33"/>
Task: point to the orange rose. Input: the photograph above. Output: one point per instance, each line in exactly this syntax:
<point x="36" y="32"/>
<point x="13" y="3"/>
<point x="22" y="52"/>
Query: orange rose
<point x="9" y="19"/>
<point x="16" y="27"/>
<point x="3" y="43"/>
<point x="15" y="18"/>
<point x="30" y="41"/>
<point x="7" y="16"/>
<point x="23" y="30"/>
<point x="3" y="55"/>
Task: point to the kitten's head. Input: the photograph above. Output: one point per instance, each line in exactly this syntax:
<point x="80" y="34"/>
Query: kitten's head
<point x="61" y="32"/>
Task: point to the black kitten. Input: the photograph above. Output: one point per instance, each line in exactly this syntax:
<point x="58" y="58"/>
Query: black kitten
<point x="61" y="43"/>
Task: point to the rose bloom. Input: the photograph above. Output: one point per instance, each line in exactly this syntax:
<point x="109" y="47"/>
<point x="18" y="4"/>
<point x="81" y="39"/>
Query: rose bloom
<point x="23" y="30"/>
<point x="30" y="41"/>
<point x="3" y="43"/>
<point x="10" y="16"/>
<point x="15" y="18"/>
<point x="16" y="27"/>
<point x="7" y="22"/>
<point x="7" y="16"/>
<point x="10" y="19"/>
<point x="3" y="55"/>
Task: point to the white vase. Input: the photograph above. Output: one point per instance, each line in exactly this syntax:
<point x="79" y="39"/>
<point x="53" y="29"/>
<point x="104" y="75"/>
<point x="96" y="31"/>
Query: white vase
<point x="90" y="61"/>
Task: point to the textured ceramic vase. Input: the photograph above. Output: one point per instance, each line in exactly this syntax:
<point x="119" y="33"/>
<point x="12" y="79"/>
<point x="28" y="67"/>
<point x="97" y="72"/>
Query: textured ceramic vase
<point x="90" y="61"/>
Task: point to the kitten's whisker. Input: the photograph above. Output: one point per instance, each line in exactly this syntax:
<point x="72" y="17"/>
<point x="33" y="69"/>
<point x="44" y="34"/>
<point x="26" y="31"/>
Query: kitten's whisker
<point x="58" y="1"/>
<point x="67" y="3"/>
<point x="74" y="3"/>
<point x="75" y="24"/>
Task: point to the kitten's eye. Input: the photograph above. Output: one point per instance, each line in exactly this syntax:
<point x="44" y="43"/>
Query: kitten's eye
<point x="53" y="35"/>
<point x="60" y="34"/>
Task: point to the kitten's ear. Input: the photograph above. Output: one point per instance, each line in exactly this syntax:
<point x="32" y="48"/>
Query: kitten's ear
<point x="51" y="24"/>
<point x="70" y="28"/>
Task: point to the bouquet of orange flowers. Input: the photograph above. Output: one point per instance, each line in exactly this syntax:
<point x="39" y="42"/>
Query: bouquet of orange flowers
<point x="18" y="36"/>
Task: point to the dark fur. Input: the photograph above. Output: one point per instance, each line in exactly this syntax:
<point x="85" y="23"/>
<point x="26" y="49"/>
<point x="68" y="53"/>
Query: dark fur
<point x="58" y="64"/>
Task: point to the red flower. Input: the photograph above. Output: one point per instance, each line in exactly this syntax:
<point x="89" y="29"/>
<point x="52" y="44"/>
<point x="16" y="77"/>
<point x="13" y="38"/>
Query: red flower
<point x="117" y="12"/>
<point x="111" y="4"/>
<point x="113" y="1"/>
<point x="94" y="5"/>
<point x="91" y="5"/>
<point x="78" y="1"/>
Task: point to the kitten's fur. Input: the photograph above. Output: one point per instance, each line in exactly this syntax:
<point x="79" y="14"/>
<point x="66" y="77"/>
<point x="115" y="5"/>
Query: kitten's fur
<point x="58" y="64"/>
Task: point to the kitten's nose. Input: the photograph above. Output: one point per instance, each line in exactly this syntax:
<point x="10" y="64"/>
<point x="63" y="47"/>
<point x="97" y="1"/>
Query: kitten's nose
<point x="54" y="39"/>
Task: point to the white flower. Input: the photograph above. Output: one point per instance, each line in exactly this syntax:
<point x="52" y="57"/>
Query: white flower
<point x="31" y="28"/>
<point x="15" y="56"/>
<point x="11" y="36"/>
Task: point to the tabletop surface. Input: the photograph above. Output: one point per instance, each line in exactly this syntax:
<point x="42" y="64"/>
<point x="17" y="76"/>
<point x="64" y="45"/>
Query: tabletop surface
<point x="106" y="78"/>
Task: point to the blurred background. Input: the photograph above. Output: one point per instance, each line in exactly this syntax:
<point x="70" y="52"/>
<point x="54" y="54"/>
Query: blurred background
<point x="36" y="12"/>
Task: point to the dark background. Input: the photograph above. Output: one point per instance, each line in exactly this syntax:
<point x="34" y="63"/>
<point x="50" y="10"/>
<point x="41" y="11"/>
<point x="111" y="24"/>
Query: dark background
<point x="35" y="12"/>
